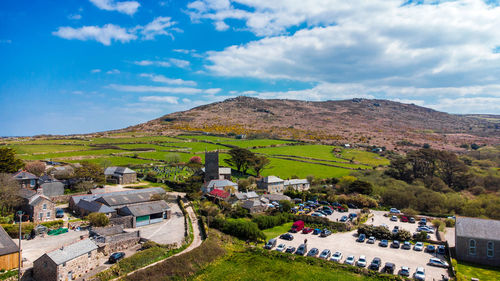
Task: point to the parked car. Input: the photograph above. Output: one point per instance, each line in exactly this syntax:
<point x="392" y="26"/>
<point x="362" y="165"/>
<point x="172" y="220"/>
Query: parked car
<point x="419" y="246"/>
<point x="59" y="213"/>
<point x="325" y="233"/>
<point x="430" y="249"/>
<point x="394" y="218"/>
<point x="325" y="254"/>
<point x="375" y="264"/>
<point x="352" y="215"/>
<point x="383" y="243"/>
<point x="412" y="220"/>
<point x="281" y="247"/>
<point x="313" y="252"/>
<point x="290" y="249"/>
<point x="350" y="260"/>
<point x="286" y="236"/>
<point x="406" y="245"/>
<point x="336" y="257"/>
<point x="317" y="214"/>
<point x="343" y="219"/>
<point x="404" y="271"/>
<point x="404" y="219"/>
<point x="307" y="230"/>
<point x="423" y="221"/>
<point x="271" y="244"/>
<point x="350" y="205"/>
<point x="316" y="231"/>
<point x="384" y="225"/>
<point x="438" y="262"/>
<point x="441" y="249"/>
<point x="371" y="240"/>
<point x="389" y="268"/>
<point x="297" y="226"/>
<point x="395" y="244"/>
<point x="301" y="250"/>
<point x="394" y="211"/>
<point x="361" y="238"/>
<point x="115" y="257"/>
<point x="419" y="273"/>
<point x="425" y="228"/>
<point x="361" y="261"/>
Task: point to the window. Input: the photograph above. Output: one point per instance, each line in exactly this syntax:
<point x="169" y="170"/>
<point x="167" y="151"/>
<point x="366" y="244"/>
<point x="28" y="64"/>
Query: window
<point x="90" y="254"/>
<point x="48" y="215"/>
<point x="472" y="247"/>
<point x="64" y="264"/>
<point x="490" y="250"/>
<point x="40" y="216"/>
<point x="32" y="183"/>
<point x="45" y="206"/>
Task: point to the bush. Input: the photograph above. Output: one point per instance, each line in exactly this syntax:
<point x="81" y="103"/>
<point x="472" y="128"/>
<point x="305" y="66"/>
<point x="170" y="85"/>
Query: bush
<point x="421" y="236"/>
<point x="449" y="222"/>
<point x="378" y="232"/>
<point x="319" y="222"/>
<point x="265" y="222"/>
<point x="13" y="229"/>
<point x="53" y="224"/>
<point x="402" y="235"/>
<point x="240" y="228"/>
<point x="97" y="219"/>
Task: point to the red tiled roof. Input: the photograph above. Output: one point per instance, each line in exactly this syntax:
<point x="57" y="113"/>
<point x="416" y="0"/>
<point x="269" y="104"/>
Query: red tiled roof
<point x="219" y="193"/>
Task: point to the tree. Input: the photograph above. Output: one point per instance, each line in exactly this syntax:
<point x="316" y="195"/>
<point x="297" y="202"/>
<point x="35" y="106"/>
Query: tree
<point x="98" y="219"/>
<point x="90" y="172"/>
<point x="286" y="206"/>
<point x="9" y="198"/>
<point x="8" y="161"/>
<point x="241" y="158"/>
<point x="84" y="186"/>
<point x="37" y="168"/>
<point x="260" y="163"/>
<point x="361" y="187"/>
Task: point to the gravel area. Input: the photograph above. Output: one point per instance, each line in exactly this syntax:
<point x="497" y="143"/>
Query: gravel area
<point x="167" y="232"/>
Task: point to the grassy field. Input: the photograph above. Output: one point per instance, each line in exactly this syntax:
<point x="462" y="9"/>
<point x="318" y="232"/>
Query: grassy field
<point x="288" y="168"/>
<point x="478" y="271"/>
<point x="277" y="230"/>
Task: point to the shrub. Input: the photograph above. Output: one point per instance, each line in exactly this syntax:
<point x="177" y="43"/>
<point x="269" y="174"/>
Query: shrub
<point x="243" y="229"/>
<point x="265" y="222"/>
<point x="421" y="236"/>
<point x="449" y="222"/>
<point x="378" y="232"/>
<point x="13" y="229"/>
<point x="97" y="219"/>
<point x="402" y="235"/>
<point x="53" y="224"/>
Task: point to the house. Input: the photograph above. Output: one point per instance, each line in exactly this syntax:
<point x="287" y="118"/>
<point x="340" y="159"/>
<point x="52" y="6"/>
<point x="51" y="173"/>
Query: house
<point x="9" y="251"/>
<point x="219" y="194"/>
<point x="478" y="240"/>
<point x="271" y="184"/>
<point x="219" y="184"/>
<point x="84" y="208"/>
<point x="147" y="213"/>
<point x="276" y="197"/>
<point x="26" y="179"/>
<point x="37" y="206"/>
<point x="297" y="184"/>
<point x="120" y="175"/>
<point x="242" y="196"/>
<point x="255" y="206"/>
<point x="51" y="187"/>
<point x="67" y="263"/>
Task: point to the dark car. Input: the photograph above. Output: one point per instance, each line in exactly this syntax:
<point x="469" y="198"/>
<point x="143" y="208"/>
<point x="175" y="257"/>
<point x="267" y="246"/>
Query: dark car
<point x="361" y="237"/>
<point x="404" y="271"/>
<point x="352" y="206"/>
<point x="59" y="213"/>
<point x="325" y="233"/>
<point x="286" y="236"/>
<point x="115" y="257"/>
<point x="313" y="252"/>
<point x="375" y="265"/>
<point x="301" y="250"/>
<point x="389" y="268"/>
<point x="406" y="245"/>
<point x="412" y="220"/>
<point x="395" y="244"/>
<point x="430" y="248"/>
<point x="290" y="249"/>
<point x="343" y="219"/>
<point x="316" y="231"/>
<point x="441" y="250"/>
<point x="383" y="243"/>
<point x="271" y="244"/>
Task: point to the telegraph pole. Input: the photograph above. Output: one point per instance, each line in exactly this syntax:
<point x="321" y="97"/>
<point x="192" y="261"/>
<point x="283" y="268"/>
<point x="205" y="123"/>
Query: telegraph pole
<point x="20" y="214"/>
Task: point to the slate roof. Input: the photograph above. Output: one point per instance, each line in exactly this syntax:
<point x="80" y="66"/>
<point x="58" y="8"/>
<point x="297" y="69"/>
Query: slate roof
<point x="144" y="209"/>
<point x="37" y="198"/>
<point x="246" y="195"/>
<point x="107" y="230"/>
<point x="276" y="197"/>
<point x="477" y="228"/>
<point x="7" y="245"/>
<point x="92" y="197"/>
<point x="220" y="184"/>
<point x="72" y="251"/>
<point x="118" y="170"/>
<point x="219" y="193"/>
<point x="54" y="188"/>
<point x="249" y="204"/>
<point x="23" y="175"/>
<point x="26" y="193"/>
<point x="116" y="200"/>
<point x="94" y="207"/>
<point x="296" y="181"/>
<point x="271" y="179"/>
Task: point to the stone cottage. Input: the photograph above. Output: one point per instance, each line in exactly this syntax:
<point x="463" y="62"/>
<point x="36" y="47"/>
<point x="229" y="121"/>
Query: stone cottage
<point x="120" y="175"/>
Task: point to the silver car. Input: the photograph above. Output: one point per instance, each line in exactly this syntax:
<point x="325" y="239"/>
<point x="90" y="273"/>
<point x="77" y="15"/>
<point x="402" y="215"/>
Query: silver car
<point x="350" y="260"/>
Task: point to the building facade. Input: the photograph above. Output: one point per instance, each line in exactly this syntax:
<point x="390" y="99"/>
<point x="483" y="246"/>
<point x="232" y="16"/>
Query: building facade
<point x="297" y="184"/>
<point x="120" y="175"/>
<point x="9" y="251"/>
<point x="37" y="206"/>
<point x="271" y="184"/>
<point x="478" y="240"/>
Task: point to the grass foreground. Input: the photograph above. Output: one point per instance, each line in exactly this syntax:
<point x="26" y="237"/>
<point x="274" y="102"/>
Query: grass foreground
<point x="277" y="230"/>
<point x="466" y="271"/>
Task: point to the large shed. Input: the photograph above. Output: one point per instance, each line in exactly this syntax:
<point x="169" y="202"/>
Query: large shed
<point x="9" y="252"/>
<point x="147" y="212"/>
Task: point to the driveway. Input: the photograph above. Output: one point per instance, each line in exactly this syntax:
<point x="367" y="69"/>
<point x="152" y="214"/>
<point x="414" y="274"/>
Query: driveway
<point x="167" y="232"/>
<point x="347" y="245"/>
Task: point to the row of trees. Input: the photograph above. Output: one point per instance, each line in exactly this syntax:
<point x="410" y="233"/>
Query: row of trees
<point x="244" y="159"/>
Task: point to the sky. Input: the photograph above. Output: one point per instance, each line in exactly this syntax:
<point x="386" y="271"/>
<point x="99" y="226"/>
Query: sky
<point x="81" y="66"/>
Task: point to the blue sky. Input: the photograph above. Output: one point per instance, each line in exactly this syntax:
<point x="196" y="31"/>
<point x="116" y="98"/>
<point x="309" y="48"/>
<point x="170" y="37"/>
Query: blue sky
<point x="92" y="65"/>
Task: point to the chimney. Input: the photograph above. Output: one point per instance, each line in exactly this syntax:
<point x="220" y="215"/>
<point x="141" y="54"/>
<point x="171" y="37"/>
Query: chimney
<point x="39" y="191"/>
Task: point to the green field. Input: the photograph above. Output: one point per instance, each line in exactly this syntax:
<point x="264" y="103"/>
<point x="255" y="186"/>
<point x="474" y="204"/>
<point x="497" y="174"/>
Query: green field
<point x="478" y="271"/>
<point x="277" y="230"/>
<point x="288" y="168"/>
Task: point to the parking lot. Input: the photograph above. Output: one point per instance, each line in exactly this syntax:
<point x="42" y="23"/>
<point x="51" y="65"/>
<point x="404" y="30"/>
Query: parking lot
<point x="167" y="232"/>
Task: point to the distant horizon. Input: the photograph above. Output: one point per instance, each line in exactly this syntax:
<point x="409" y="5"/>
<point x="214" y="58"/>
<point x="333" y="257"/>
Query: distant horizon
<point x="96" y="65"/>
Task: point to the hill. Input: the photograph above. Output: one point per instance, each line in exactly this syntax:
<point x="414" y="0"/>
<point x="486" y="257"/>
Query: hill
<point x="360" y="121"/>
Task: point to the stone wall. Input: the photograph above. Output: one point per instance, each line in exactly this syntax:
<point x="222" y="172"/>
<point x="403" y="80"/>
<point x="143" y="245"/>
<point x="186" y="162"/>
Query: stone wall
<point x="125" y="222"/>
<point x="129" y="178"/>
<point x="462" y="251"/>
<point x="38" y="208"/>
<point x="44" y="269"/>
<point x="119" y="243"/>
<point x="78" y="266"/>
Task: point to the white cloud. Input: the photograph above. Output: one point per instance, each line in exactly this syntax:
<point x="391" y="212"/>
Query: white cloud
<point x="125" y="7"/>
<point x="75" y="17"/>
<point x="166" y="99"/>
<point x="113" y="71"/>
<point x="221" y="26"/>
<point x="170" y="81"/>
<point x="213" y="91"/>
<point x="159" y="26"/>
<point x="104" y="34"/>
<point x="95" y="70"/>
<point x="161" y="89"/>
<point x="185" y="100"/>
<point x="180" y="63"/>
<point x="485" y="105"/>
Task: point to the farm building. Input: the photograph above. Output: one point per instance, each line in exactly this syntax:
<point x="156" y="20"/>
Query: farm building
<point x="478" y="240"/>
<point x="67" y="263"/>
<point x="271" y="184"/>
<point x="147" y="213"/>
<point x="9" y="252"/>
<point x="85" y="207"/>
<point x="297" y="184"/>
<point x="120" y="175"/>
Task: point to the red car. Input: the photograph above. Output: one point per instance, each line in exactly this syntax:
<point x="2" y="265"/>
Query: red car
<point x="404" y="219"/>
<point x="307" y="230"/>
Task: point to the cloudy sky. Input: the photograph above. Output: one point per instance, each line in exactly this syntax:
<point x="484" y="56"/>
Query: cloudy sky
<point x="78" y="66"/>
